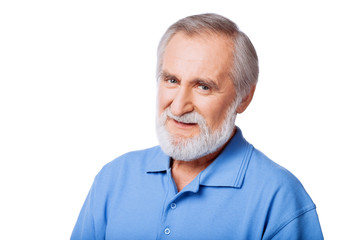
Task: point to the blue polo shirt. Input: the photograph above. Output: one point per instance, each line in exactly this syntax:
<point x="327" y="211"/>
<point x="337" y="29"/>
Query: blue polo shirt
<point x="241" y="195"/>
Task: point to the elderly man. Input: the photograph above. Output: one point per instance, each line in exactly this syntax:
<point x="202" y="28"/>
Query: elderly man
<point x="205" y="181"/>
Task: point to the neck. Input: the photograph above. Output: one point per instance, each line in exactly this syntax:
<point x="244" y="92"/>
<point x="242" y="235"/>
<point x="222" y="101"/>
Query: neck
<point x="183" y="172"/>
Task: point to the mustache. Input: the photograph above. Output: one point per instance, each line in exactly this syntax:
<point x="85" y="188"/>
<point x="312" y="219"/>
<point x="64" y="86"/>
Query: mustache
<point x="192" y="117"/>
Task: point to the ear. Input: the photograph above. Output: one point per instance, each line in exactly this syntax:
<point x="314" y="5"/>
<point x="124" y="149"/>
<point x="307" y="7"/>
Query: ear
<point x="246" y="101"/>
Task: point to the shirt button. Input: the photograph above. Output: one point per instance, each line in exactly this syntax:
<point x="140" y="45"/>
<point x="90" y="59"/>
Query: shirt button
<point x="167" y="231"/>
<point x="173" y="205"/>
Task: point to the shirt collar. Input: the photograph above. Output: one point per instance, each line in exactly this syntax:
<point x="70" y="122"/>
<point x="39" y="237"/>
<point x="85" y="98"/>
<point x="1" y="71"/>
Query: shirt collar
<point x="158" y="162"/>
<point x="227" y="170"/>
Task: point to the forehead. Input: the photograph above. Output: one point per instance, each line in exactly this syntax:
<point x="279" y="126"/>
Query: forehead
<point x="207" y="53"/>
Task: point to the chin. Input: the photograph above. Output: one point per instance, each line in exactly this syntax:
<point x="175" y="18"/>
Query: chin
<point x="192" y="146"/>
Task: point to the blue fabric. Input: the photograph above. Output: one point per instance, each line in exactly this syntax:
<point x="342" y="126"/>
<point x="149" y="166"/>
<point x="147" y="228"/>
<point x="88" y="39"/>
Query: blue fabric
<point x="241" y="195"/>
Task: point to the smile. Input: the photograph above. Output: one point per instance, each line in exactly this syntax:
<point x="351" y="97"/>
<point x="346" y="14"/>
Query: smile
<point x="182" y="124"/>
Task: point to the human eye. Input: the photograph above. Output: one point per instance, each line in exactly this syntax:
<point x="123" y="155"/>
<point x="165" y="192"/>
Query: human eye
<point x="171" y="80"/>
<point x="204" y="87"/>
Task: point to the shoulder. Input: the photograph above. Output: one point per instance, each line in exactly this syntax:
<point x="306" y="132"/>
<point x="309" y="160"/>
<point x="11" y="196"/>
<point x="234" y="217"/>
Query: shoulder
<point x="276" y="180"/>
<point x="272" y="175"/>
<point x="128" y="163"/>
<point x="133" y="158"/>
<point x="281" y="193"/>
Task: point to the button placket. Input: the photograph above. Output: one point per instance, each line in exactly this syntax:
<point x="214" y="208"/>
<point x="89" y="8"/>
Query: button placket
<point x="171" y="205"/>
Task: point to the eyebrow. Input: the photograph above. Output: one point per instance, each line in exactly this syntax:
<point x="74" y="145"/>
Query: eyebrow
<point x="212" y="84"/>
<point x="206" y="81"/>
<point x="166" y="75"/>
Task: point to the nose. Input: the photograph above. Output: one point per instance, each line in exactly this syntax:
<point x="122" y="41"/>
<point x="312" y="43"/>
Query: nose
<point x="182" y="102"/>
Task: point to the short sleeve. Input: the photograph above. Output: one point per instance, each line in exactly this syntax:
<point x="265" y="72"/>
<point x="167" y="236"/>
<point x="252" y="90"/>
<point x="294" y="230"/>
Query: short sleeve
<point x="304" y="227"/>
<point x="84" y="227"/>
<point x="91" y="223"/>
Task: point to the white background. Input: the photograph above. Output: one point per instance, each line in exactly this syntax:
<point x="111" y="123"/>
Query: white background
<point x="78" y="89"/>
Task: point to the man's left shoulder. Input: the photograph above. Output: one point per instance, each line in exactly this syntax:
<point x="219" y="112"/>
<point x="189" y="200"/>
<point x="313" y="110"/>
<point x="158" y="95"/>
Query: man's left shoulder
<point x="270" y="170"/>
<point x="279" y="182"/>
<point x="281" y="195"/>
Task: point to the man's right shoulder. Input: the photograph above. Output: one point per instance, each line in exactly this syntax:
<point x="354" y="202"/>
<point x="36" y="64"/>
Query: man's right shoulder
<point x="134" y="160"/>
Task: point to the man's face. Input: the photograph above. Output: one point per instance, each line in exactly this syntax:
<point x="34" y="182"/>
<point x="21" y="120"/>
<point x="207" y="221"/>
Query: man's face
<point x="195" y="78"/>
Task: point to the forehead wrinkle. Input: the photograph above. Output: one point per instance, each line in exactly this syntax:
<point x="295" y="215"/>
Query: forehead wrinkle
<point x="178" y="59"/>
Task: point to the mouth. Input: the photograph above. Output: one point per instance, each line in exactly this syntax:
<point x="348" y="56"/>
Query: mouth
<point x="183" y="124"/>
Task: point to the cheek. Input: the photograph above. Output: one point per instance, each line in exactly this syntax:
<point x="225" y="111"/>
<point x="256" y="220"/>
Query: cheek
<point x="215" y="114"/>
<point x="215" y="118"/>
<point x="164" y="99"/>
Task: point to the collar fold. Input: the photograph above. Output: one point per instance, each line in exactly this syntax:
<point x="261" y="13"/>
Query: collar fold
<point x="227" y="170"/>
<point x="159" y="161"/>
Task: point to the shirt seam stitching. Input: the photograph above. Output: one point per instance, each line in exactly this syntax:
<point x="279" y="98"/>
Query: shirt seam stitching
<point x="302" y="212"/>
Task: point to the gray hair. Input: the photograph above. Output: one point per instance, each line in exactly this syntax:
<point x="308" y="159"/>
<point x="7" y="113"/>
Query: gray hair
<point x="245" y="69"/>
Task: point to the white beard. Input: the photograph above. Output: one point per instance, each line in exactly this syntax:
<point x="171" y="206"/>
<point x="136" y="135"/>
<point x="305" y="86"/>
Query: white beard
<point x="188" y="149"/>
